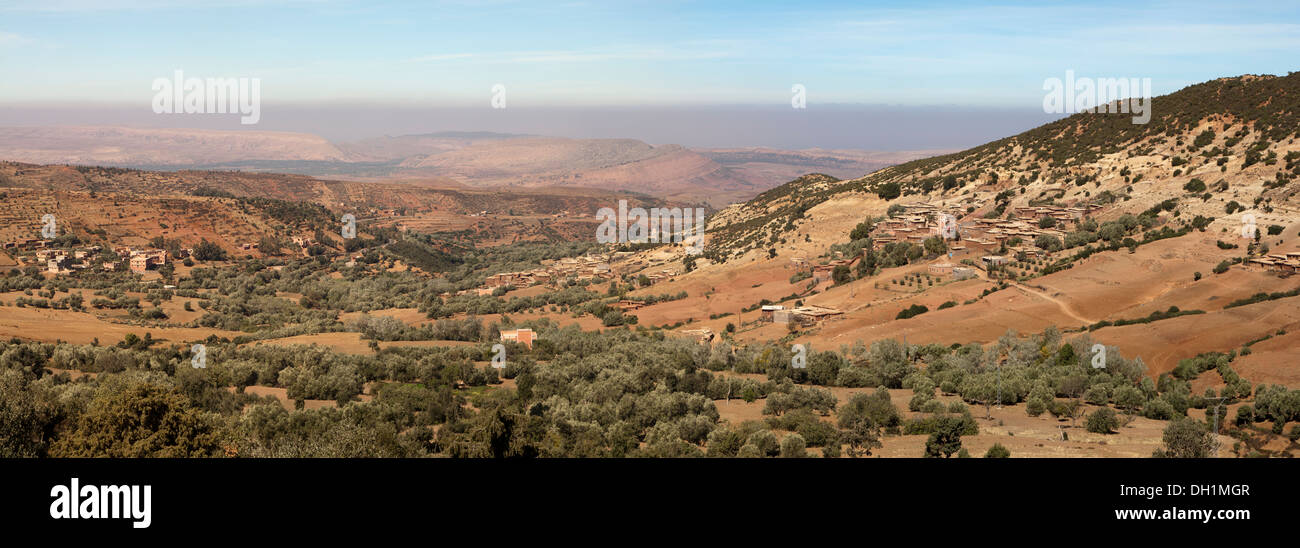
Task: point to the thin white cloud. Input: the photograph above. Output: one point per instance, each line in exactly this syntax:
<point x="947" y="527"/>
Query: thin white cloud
<point x="576" y="56"/>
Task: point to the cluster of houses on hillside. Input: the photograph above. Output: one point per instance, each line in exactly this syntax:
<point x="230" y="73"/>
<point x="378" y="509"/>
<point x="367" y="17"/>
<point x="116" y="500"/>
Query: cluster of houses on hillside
<point x="59" y="261"/>
<point x="921" y="221"/>
<point x="822" y="272"/>
<point x="586" y="267"/>
<point x="63" y="261"/>
<point x="1287" y="263"/>
<point x="26" y="244"/>
<point x="803" y="315"/>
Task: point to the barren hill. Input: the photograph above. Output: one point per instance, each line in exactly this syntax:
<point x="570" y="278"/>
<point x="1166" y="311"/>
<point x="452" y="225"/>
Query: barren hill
<point x="124" y="146"/>
<point x="774" y="167"/>
<point x="669" y="171"/>
<point x="471" y="159"/>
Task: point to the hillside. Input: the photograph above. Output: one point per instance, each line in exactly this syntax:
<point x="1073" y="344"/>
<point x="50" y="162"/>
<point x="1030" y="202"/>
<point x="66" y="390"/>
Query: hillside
<point x="191" y="205"/>
<point x="1143" y="218"/>
<point x="668" y="171"/>
<point x="774" y="167"/>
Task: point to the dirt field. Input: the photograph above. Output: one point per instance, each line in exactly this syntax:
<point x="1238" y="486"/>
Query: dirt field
<point x="83" y="328"/>
<point x="350" y="342"/>
<point x="1023" y="435"/>
<point x="1098" y="288"/>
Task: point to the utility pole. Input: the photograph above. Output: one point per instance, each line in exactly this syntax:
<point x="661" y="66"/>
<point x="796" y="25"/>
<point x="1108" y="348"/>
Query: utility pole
<point x="999" y="384"/>
<point x="1216" y="423"/>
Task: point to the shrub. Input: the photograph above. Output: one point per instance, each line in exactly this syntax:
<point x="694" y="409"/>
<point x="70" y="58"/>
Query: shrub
<point x="765" y="442"/>
<point x="1035" y="407"/>
<point x="997" y="452"/>
<point x="946" y="438"/>
<point x="889" y="191"/>
<point x="1102" y="421"/>
<point x="1185" y="438"/>
<point x="794" y="447"/>
<point x="912" y="311"/>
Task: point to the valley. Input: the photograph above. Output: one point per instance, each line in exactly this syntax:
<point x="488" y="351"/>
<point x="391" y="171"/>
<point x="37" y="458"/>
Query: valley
<point x="966" y="292"/>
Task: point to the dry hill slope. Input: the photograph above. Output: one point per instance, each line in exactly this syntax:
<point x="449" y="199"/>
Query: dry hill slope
<point x="1171" y="193"/>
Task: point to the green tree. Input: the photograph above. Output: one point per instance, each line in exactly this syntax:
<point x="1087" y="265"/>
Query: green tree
<point x="1102" y="421"/>
<point x="144" y="420"/>
<point x="997" y="452"/>
<point x="794" y="447"/>
<point x="1186" y="438"/>
<point x="935" y="245"/>
<point x="841" y="274"/>
<point x="765" y="442"/>
<point x="876" y="407"/>
<point x="208" y="251"/>
<point x="889" y="191"/>
<point x="1129" y="398"/>
<point x="724" y="442"/>
<point x="861" y="435"/>
<point x="1048" y="242"/>
<point x="29" y="415"/>
<point x="861" y="231"/>
<point x="946" y="438"/>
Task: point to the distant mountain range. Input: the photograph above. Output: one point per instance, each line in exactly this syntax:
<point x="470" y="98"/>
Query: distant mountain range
<point x="475" y="159"/>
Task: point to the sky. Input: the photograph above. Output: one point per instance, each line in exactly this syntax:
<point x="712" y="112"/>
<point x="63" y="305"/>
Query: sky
<point x="66" y="61"/>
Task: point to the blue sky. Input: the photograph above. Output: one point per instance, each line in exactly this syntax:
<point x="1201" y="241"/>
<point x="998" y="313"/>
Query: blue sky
<point x="632" y="53"/>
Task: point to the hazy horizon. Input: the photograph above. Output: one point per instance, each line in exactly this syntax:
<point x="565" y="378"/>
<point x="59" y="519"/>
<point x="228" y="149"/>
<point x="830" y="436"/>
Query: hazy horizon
<point x="886" y="75"/>
<point x="857" y="127"/>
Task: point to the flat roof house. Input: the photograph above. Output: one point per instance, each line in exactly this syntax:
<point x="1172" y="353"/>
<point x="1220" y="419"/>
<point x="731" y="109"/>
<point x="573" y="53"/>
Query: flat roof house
<point x="523" y="336"/>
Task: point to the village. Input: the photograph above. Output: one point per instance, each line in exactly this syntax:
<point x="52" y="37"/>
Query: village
<point x="921" y="221"/>
<point x="37" y="252"/>
<point x="1284" y="263"/>
<point x="981" y="238"/>
<point x="591" y="267"/>
<point x="63" y="261"/>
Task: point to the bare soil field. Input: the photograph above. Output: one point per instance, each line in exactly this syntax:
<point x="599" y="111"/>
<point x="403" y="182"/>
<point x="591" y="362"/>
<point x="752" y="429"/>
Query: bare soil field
<point x="1010" y="426"/>
<point x="350" y="342"/>
<point x="282" y="395"/>
<point x="1274" y="361"/>
<point x="1095" y="289"/>
<point x="83" y="328"/>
